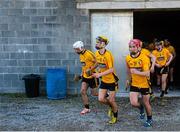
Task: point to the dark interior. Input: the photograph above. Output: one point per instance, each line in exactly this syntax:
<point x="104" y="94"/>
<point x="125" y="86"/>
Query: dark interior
<point x="161" y="25"/>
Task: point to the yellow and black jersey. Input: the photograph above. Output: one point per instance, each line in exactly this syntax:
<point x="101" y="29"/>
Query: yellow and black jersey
<point x="141" y="63"/>
<point x="105" y="62"/>
<point x="88" y="60"/>
<point x="171" y="50"/>
<point x="145" y="52"/>
<point x="161" y="56"/>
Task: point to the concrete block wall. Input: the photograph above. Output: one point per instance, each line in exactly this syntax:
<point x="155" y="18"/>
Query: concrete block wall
<point x="36" y="35"/>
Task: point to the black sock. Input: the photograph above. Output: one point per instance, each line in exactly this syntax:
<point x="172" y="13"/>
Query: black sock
<point x="166" y="88"/>
<point x="115" y="114"/>
<point x="141" y="108"/>
<point x="110" y="106"/>
<point x="149" y="117"/>
<point x="86" y="106"/>
<point x="171" y="83"/>
<point x="162" y="94"/>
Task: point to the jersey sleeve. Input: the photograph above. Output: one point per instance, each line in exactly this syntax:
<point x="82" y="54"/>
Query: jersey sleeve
<point x="146" y="63"/>
<point x="147" y="52"/>
<point x="91" y="56"/>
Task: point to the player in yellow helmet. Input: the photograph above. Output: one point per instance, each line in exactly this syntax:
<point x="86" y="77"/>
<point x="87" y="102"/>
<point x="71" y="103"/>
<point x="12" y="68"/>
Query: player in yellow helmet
<point x="106" y="71"/>
<point x="88" y="61"/>
<point x="138" y="69"/>
<point x="163" y="59"/>
<point x="138" y="66"/>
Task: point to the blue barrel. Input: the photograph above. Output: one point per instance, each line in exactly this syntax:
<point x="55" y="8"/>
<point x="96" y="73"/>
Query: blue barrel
<point x="56" y="83"/>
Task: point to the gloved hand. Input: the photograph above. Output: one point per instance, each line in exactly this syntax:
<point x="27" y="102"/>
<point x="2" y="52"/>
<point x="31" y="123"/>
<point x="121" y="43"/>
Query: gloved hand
<point x="88" y="72"/>
<point x="77" y="77"/>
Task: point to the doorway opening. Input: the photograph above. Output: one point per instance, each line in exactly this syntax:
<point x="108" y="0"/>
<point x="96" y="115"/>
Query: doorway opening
<point x="161" y="25"/>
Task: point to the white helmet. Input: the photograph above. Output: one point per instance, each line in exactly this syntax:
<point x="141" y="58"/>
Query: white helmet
<point x="78" y="44"/>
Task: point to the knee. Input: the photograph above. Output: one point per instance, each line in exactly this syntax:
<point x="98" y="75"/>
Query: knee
<point x="134" y="103"/>
<point x="83" y="92"/>
<point x="163" y="81"/>
<point x="101" y="99"/>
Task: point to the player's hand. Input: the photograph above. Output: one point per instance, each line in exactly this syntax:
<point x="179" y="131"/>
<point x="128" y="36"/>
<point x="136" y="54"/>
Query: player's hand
<point x="96" y="75"/>
<point x="167" y="64"/>
<point x="77" y="77"/>
<point x="152" y="69"/>
<point x="127" y="85"/>
<point x="88" y="72"/>
<point x="133" y="71"/>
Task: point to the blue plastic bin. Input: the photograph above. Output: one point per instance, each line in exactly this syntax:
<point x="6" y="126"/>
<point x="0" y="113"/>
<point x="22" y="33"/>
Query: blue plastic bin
<point x="56" y="83"/>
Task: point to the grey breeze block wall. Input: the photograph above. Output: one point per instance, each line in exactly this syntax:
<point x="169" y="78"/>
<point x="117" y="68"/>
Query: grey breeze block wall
<point x="36" y="35"/>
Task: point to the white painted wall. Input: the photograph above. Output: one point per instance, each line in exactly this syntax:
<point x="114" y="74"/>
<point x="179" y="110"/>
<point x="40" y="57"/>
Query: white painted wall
<point x="118" y="27"/>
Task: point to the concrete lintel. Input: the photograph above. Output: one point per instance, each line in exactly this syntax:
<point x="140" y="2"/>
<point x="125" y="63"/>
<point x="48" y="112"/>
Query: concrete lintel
<point x="129" y="5"/>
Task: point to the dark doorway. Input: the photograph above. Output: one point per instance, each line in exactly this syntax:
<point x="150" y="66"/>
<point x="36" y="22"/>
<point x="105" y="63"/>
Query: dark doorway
<point x="161" y="25"/>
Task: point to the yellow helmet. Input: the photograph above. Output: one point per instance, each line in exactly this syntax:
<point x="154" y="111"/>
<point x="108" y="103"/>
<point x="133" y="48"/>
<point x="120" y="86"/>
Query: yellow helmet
<point x="102" y="38"/>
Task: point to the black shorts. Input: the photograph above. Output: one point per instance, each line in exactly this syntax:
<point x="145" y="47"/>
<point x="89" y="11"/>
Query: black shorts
<point x="162" y="70"/>
<point x="108" y="86"/>
<point x="143" y="91"/>
<point x="92" y="82"/>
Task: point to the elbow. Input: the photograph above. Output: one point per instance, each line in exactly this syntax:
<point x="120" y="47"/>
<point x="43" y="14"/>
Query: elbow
<point x="112" y="70"/>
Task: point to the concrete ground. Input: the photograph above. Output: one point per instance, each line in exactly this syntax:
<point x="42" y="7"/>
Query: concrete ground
<point x="19" y="113"/>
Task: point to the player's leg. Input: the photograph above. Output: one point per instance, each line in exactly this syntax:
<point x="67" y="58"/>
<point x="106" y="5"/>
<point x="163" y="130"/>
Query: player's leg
<point x="171" y="81"/>
<point x="84" y="87"/>
<point x="114" y="107"/>
<point x="148" y="108"/>
<point x="93" y="84"/>
<point x="164" y="84"/>
<point x="135" y="103"/>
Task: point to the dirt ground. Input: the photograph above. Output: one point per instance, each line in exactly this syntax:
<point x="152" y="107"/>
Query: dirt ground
<point x="19" y="113"/>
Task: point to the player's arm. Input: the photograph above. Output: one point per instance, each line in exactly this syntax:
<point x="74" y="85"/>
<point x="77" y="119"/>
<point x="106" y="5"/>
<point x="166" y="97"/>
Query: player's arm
<point x="153" y="60"/>
<point x="94" y="66"/>
<point x="128" y="79"/>
<point x="174" y="53"/>
<point x="109" y="64"/>
<point x="145" y="72"/>
<point x="169" y="60"/>
<point x="108" y="71"/>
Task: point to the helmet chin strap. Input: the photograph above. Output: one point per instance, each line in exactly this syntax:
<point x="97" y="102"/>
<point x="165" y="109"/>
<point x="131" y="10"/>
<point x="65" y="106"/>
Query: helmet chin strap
<point x="134" y="53"/>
